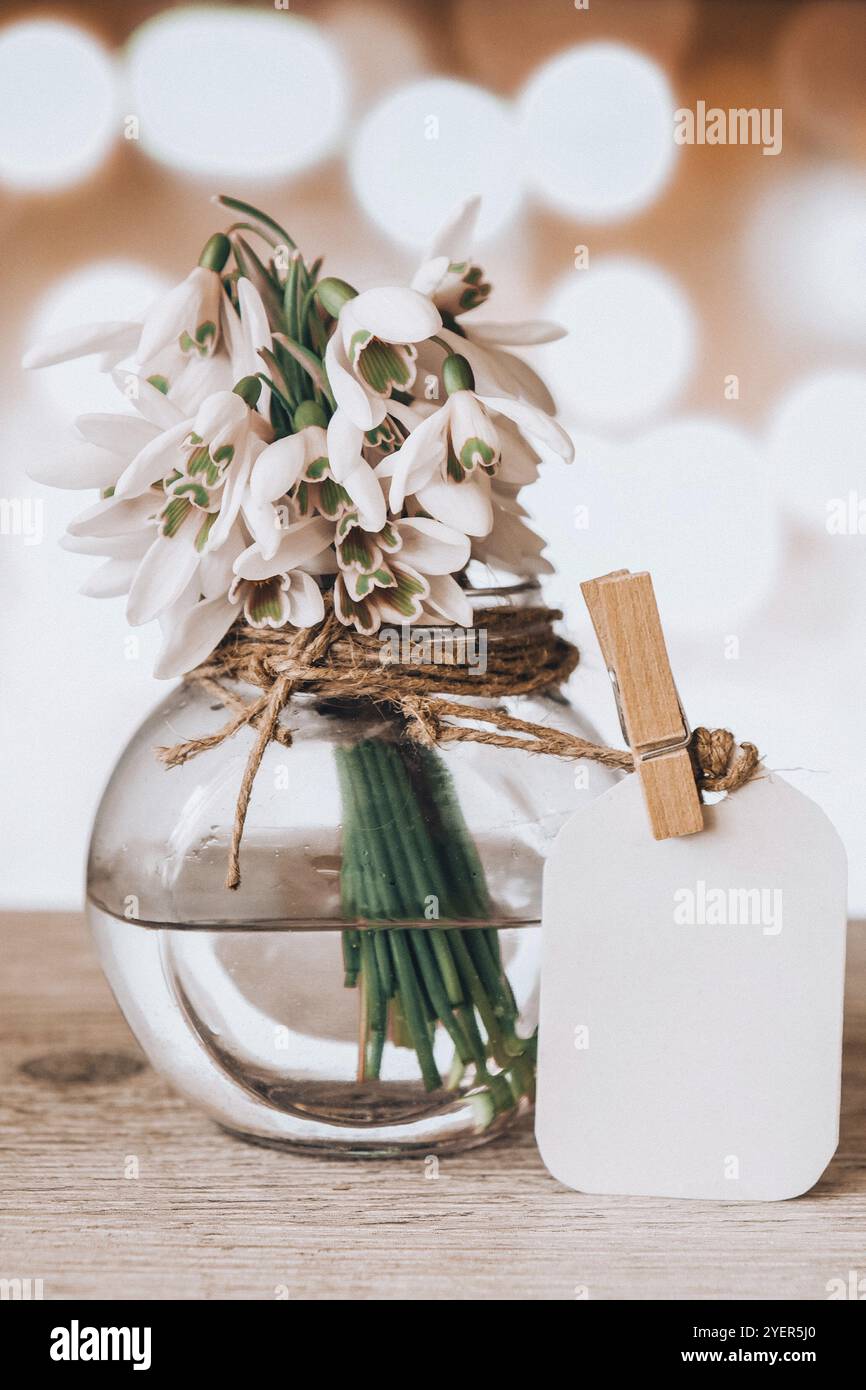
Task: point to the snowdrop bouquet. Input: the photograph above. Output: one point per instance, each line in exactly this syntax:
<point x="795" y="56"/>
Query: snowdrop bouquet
<point x="284" y="436"/>
<point x="293" y="455"/>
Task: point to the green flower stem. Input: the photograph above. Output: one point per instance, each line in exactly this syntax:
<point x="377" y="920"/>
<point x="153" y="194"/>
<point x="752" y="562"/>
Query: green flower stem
<point x="405" y="845"/>
<point x="376" y="1004"/>
<point x="413" y="1010"/>
<point x="439" y="999"/>
<point x="383" y="962"/>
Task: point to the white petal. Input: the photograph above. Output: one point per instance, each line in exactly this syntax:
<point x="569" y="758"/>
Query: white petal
<point x="306" y="605"/>
<point x="154" y="461"/>
<point x="124" y="434"/>
<point x="115" y="517"/>
<point x="194" y="301"/>
<point x="429" y="276"/>
<point x="345" y="440"/>
<point x="496" y="371"/>
<point x="470" y="421"/>
<point x="299" y="543"/>
<point x="534" y="424"/>
<point x="255" y="335"/>
<point x="512" y="374"/>
<point x="190" y="635"/>
<point x="222" y="413"/>
<point x="216" y="567"/>
<point x="366" y="492"/>
<point x="197" y="377"/>
<point x="234" y="491"/>
<point x="277" y="468"/>
<point x="395" y="314"/>
<point x="455" y="238"/>
<point x="363" y="410"/>
<point x="111" y="579"/>
<point x="517" y="334"/>
<point x="82" y="341"/>
<point x="466" y="506"/>
<point x="152" y="403"/>
<point x="432" y="548"/>
<point x="131" y="546"/>
<point x="325" y="562"/>
<point x="80" y="465"/>
<point x="519" y="462"/>
<point x="263" y="521"/>
<point x="419" y="458"/>
<point x="162" y="576"/>
<point x="447" y="597"/>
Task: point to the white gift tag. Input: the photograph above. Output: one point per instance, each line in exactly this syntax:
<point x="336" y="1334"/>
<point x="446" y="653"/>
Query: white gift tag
<point x="691" y="998"/>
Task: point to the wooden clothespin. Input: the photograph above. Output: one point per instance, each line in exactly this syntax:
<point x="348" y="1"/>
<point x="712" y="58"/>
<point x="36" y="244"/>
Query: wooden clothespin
<point x="629" y="631"/>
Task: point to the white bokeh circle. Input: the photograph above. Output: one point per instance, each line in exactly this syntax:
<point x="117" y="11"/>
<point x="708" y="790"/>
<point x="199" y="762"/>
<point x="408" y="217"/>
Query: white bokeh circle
<point x="598" y="131"/>
<point x="817" y="444"/>
<point x="691" y="501"/>
<point x="101" y="292"/>
<point x="425" y="148"/>
<point x="630" y="346"/>
<point x="58" y="114"/>
<point x="806" y="247"/>
<point x="225" y="92"/>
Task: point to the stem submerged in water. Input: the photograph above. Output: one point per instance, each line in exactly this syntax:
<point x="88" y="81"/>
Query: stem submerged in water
<point x="407" y="855"/>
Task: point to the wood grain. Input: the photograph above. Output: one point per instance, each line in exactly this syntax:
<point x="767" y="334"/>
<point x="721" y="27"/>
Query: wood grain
<point x="626" y="620"/>
<point x="210" y="1217"/>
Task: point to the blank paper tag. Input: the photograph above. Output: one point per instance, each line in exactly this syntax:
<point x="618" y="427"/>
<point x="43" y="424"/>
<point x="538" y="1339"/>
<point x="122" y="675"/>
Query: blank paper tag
<point x="691" y="998"/>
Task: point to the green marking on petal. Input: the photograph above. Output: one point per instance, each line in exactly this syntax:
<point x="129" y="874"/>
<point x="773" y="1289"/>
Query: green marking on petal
<point x="204" y="531"/>
<point x="316" y="470"/>
<point x="195" y="491"/>
<point x="224" y="454"/>
<point x="160" y="382"/>
<point x="173" y="515"/>
<point x="357" y="551"/>
<point x="303" y="498"/>
<point x="385" y="365"/>
<point x="476" y="451"/>
<point x="264" y="606"/>
<point x="405" y="597"/>
<point x="357" y="343"/>
<point x="200" y="461"/>
<point x="388" y="538"/>
<point x="332" y="498"/>
<point x="347" y="523"/>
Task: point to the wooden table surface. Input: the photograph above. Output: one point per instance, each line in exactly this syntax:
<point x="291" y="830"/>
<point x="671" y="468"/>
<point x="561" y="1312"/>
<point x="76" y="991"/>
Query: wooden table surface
<point x="211" y="1217"/>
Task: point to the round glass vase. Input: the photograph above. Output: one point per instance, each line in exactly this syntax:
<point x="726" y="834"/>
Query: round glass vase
<point x="371" y="986"/>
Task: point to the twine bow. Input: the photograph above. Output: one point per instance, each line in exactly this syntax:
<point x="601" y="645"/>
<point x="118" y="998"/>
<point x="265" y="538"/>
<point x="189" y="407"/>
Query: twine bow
<point x="524" y="655"/>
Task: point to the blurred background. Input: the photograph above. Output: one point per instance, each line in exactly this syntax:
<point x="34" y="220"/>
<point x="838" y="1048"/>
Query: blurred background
<point x="714" y="377"/>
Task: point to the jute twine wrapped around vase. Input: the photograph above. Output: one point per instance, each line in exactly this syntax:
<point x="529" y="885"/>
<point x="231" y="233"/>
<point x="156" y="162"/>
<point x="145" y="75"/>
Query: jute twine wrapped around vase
<point x="524" y="655"/>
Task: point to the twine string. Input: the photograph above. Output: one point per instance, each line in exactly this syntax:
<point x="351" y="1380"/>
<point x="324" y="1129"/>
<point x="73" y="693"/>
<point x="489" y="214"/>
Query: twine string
<point x="524" y="655"/>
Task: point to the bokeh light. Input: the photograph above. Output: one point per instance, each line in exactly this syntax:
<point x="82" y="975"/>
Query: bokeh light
<point x="102" y="292"/>
<point x="424" y="149"/>
<point x="807" y="251"/>
<point x="58" y="115"/>
<point x="630" y="344"/>
<point x="235" y="92"/>
<point x="817" y="445"/>
<point x="692" y="501"/>
<point x="598" y="125"/>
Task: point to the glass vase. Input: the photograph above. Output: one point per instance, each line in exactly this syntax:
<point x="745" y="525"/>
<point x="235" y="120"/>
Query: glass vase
<point x="371" y="986"/>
